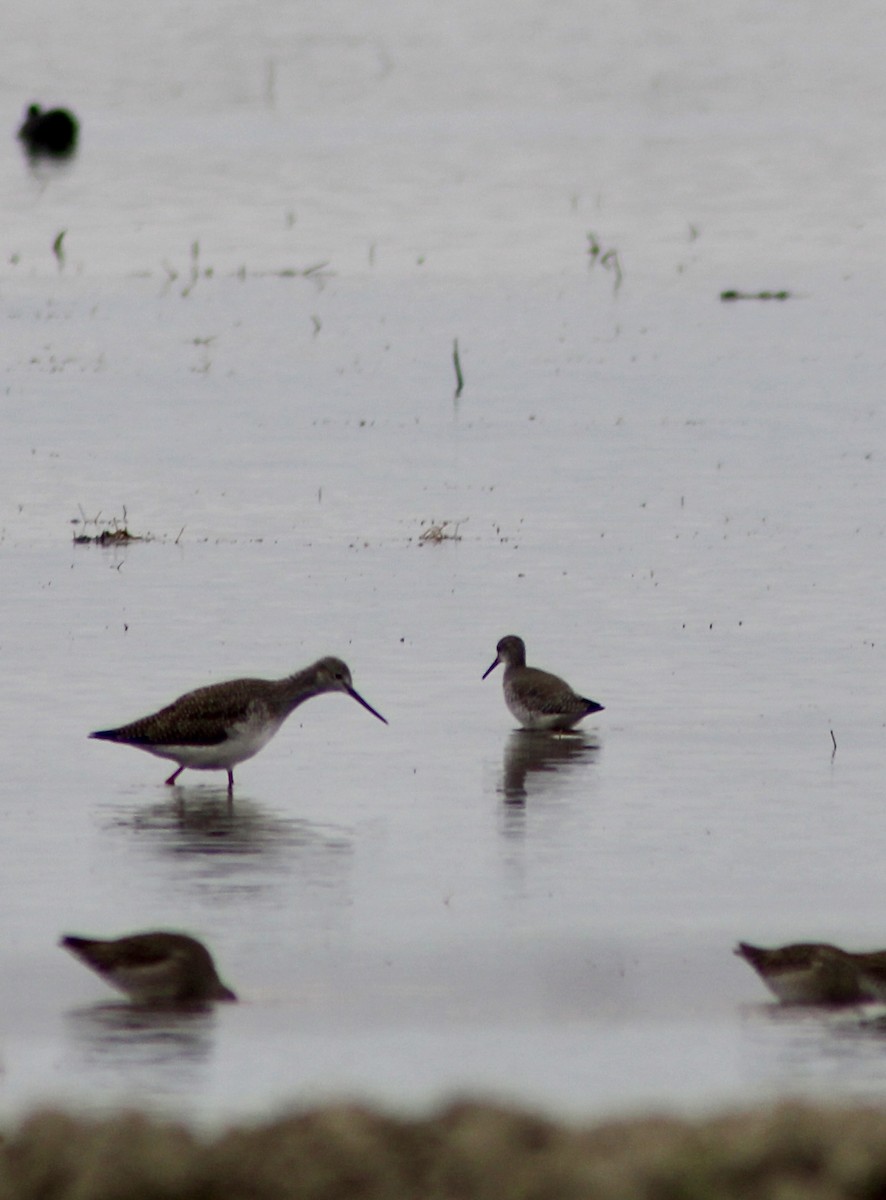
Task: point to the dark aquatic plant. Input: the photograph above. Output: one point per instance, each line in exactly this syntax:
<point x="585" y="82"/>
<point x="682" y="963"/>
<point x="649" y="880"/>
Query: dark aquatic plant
<point x="53" y="132"/>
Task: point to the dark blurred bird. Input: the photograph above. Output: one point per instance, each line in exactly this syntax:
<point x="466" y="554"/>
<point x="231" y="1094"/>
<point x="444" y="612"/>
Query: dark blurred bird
<point x="153" y="968"/>
<point x="816" y="972"/>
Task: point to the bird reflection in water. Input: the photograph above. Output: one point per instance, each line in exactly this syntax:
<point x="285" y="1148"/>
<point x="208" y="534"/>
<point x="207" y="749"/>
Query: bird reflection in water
<point x="529" y="753"/>
<point x="792" y="1049"/>
<point x="234" y="850"/>
<point x="147" y="1048"/>
<point x="213" y="826"/>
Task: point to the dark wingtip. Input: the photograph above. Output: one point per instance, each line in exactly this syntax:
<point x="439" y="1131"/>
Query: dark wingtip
<point x="107" y="735"/>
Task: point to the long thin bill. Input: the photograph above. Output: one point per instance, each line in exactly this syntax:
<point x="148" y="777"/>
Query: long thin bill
<point x="356" y="696"/>
<point x="491" y="668"/>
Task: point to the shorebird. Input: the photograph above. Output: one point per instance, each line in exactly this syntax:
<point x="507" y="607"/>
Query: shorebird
<point x="815" y="972"/>
<point x="871" y="966"/>
<point x="52" y="132"/>
<point x="153" y="968"/>
<point x="537" y="699"/>
<point x="216" y="727"/>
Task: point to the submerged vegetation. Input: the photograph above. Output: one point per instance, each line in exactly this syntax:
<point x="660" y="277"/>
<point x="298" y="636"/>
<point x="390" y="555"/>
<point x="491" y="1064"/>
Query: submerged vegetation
<point x="734" y="294"/>
<point x="108" y="531"/>
<point x="103" y="531"/>
<point x="191" y="276"/>
<point x="440" y="531"/>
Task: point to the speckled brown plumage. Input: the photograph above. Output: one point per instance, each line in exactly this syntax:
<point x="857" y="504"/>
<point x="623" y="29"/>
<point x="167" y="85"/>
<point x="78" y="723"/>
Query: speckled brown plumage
<point x="538" y="699"/>
<point x="202" y="717"/>
<point x="216" y="727"/>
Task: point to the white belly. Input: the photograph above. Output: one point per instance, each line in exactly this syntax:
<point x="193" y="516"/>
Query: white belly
<point x="530" y="719"/>
<point x="792" y="987"/>
<point x="244" y="741"/>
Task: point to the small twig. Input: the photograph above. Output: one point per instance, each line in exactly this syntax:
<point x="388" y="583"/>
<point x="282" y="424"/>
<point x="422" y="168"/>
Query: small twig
<point x="195" y="269"/>
<point x="456" y="362"/>
<point x="734" y="294"/>
<point x="610" y="261"/>
<point x="441" y="531"/>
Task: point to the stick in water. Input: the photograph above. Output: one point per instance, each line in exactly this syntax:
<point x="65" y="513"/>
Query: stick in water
<point x="459" y="378"/>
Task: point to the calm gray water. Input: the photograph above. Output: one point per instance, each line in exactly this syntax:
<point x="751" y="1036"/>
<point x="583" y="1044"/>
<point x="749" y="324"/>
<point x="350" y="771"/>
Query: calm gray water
<point x="279" y="220"/>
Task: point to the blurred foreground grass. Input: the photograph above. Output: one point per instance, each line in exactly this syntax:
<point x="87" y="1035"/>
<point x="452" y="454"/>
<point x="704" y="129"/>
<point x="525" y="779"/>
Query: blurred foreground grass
<point x="465" y="1151"/>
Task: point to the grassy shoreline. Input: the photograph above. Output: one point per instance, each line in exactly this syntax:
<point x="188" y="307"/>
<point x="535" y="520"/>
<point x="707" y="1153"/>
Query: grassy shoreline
<point x="464" y="1151"/>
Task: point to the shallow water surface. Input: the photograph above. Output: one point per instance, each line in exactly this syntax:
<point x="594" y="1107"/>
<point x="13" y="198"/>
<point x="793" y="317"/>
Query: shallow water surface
<point x="277" y="224"/>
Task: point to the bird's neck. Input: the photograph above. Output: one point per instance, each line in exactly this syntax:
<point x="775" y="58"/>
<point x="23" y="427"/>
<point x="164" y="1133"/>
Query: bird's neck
<point x="296" y="689"/>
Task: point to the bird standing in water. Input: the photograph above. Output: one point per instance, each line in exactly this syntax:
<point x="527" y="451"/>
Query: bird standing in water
<point x="537" y="699"/>
<point x="216" y="727"/>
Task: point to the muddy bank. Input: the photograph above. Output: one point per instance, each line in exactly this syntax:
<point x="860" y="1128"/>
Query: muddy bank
<point x="465" y="1150"/>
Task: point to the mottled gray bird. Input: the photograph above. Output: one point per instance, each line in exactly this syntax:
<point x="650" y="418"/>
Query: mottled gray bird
<point x="216" y="727"/>
<point x="537" y="699"/>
